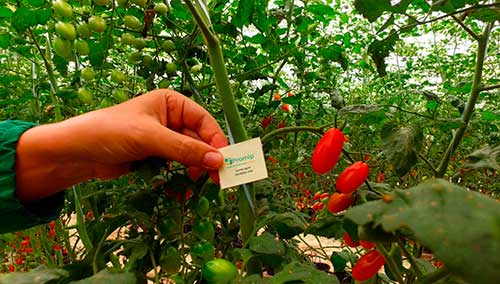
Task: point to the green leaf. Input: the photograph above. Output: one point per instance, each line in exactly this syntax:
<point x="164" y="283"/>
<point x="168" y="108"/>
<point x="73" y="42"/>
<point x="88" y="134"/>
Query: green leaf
<point x="5" y="12"/>
<point x="287" y="225"/>
<point x="296" y="272"/>
<point x="329" y="227"/>
<point x="293" y="100"/>
<point x="489" y="14"/>
<point x="5" y="40"/>
<point x="372" y="9"/>
<point x="266" y="244"/>
<point x="400" y="146"/>
<point x="380" y="49"/>
<point x="61" y="64"/>
<point x="37" y="276"/>
<point x="339" y="260"/>
<point x="461" y="227"/>
<point x="108" y="276"/>
<point x="43" y="16"/>
<point x="244" y="13"/>
<point x="321" y="12"/>
<point x="484" y="158"/>
<point x="23" y="19"/>
<point x="97" y="52"/>
<point x="36" y="3"/>
<point x="489" y="115"/>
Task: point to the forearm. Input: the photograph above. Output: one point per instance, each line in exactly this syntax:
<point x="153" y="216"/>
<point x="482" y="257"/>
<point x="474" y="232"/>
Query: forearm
<point x="43" y="164"/>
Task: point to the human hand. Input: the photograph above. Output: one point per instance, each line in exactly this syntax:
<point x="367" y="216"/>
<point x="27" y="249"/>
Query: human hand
<point x="103" y="143"/>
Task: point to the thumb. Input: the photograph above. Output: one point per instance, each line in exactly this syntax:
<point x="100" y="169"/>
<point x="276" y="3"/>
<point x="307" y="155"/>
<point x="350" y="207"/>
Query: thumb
<point x="172" y="145"/>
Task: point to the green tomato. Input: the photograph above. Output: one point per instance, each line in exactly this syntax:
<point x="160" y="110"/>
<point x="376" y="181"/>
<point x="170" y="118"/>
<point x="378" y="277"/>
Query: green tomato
<point x="106" y="102"/>
<point x="161" y="9"/>
<point x="202" y="206"/>
<point x="123" y="3"/>
<point x="66" y="30"/>
<point x="171" y="68"/>
<point x="147" y="61"/>
<point x="82" y="47"/>
<point x="63" y="48"/>
<point x="141" y="3"/>
<point x="195" y="69"/>
<point x="170" y="260"/>
<point x="62" y="9"/>
<point x="204" y="230"/>
<point x="118" y="77"/>
<point x="139" y="43"/>
<point x="164" y="84"/>
<point x="83" y="30"/>
<point x="102" y="2"/>
<point x="134" y="57"/>
<point x="128" y="38"/>
<point x="97" y="24"/>
<point x="132" y="22"/>
<point x="87" y="74"/>
<point x="219" y="271"/>
<point x="120" y="96"/>
<point x="168" y="228"/>
<point x="85" y="96"/>
<point x="168" y="45"/>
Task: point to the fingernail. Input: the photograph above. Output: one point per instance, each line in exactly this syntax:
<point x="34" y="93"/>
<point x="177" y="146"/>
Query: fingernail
<point x="212" y="160"/>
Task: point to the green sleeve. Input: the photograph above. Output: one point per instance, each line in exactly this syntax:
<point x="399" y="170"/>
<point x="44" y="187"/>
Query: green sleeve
<point x="14" y="215"/>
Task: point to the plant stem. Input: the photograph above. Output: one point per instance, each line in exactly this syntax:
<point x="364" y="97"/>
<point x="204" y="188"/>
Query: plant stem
<point x="390" y="262"/>
<point x="482" y="45"/>
<point x="291" y="129"/>
<point x="80" y="223"/>
<point x="52" y="80"/>
<point x="433" y="277"/>
<point x="235" y="124"/>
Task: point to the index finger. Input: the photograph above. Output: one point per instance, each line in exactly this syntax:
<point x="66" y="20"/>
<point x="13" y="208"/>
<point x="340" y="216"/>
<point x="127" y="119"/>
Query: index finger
<point x="184" y="114"/>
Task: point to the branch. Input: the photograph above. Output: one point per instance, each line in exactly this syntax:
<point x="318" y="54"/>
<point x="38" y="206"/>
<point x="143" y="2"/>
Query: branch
<point x="428" y="163"/>
<point x="448" y="15"/>
<point x="473" y="96"/>
<point x="268" y="137"/>
<point x="466" y="28"/>
<point x="488" y="88"/>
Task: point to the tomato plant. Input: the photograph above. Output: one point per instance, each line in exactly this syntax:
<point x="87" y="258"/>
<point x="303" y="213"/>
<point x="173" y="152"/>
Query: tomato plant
<point x="412" y="84"/>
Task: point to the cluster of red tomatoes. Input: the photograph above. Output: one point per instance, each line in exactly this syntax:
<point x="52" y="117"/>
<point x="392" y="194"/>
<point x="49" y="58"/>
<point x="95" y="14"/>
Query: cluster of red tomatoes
<point x="325" y="157"/>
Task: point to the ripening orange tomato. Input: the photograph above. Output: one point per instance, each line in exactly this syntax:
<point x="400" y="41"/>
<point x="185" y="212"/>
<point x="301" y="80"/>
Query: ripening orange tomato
<point x="339" y="202"/>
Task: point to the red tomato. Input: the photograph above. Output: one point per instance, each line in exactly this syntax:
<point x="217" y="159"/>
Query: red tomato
<point x="368" y="265"/>
<point x="19" y="261"/>
<point x="280" y="124"/>
<point x="366" y="244"/>
<point x="318" y="206"/>
<point x="290" y="94"/>
<point x="317" y="195"/>
<point x="277" y="97"/>
<point x="11" y="268"/>
<point x="348" y="241"/>
<point x="266" y="121"/>
<point x="339" y="202"/>
<point x="285" y="107"/>
<point x="380" y="177"/>
<point x="57" y="247"/>
<point x="327" y="151"/>
<point x="352" y="177"/>
<point x="325" y="195"/>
